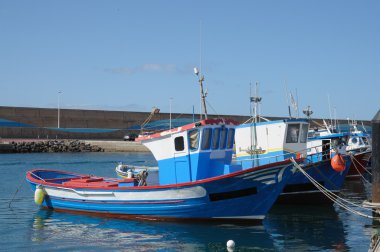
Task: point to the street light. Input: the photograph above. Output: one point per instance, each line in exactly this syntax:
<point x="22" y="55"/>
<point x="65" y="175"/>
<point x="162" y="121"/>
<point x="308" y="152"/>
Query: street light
<point x="59" y="94"/>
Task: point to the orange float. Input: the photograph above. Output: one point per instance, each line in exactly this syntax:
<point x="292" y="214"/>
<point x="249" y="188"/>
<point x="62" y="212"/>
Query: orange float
<point x="338" y="163"/>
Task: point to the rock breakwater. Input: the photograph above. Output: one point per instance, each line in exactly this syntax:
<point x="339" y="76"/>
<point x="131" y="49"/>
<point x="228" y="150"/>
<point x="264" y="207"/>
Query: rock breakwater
<point x="53" y="146"/>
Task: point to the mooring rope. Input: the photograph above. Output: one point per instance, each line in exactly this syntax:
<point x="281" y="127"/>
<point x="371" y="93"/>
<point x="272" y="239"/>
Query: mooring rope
<point x="333" y="197"/>
<point x="14" y="195"/>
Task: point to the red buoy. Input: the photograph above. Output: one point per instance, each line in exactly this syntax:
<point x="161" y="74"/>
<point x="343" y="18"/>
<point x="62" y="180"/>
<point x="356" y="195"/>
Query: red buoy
<point x="338" y="163"/>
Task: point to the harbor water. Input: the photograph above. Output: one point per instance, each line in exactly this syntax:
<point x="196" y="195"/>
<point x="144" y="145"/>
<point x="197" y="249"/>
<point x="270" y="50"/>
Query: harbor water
<point x="26" y="227"/>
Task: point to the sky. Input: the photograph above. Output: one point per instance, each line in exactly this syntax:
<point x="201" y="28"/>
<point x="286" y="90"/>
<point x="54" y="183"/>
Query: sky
<point x="135" y="55"/>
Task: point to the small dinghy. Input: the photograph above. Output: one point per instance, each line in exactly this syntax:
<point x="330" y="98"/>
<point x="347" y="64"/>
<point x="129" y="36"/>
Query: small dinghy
<point x="124" y="171"/>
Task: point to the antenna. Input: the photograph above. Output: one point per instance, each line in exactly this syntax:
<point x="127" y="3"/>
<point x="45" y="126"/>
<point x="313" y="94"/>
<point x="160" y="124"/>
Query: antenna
<point x="200" y="45"/>
<point x="335" y="120"/>
<point x="287" y="100"/>
<point x="200" y="76"/>
<point x="365" y="130"/>
<point x="331" y="121"/>
<point x="250" y="100"/>
<point x="298" y="111"/>
<point x="308" y="112"/>
<point x="255" y="100"/>
<point x="170" y="112"/>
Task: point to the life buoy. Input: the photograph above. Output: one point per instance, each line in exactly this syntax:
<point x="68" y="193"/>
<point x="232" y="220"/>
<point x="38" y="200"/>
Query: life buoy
<point x="338" y="163"/>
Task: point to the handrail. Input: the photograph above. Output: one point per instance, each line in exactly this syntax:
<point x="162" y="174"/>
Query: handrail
<point x="289" y="153"/>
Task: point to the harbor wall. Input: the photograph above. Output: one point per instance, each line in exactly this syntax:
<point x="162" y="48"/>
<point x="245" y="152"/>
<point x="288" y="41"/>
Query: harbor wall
<point x="41" y="123"/>
<point x="38" y="122"/>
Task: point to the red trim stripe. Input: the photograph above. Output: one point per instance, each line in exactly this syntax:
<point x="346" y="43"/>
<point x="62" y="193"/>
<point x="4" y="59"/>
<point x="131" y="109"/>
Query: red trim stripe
<point x="144" y="188"/>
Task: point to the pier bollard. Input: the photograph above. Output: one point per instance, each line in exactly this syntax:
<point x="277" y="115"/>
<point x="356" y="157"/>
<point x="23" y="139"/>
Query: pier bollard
<point x="376" y="161"/>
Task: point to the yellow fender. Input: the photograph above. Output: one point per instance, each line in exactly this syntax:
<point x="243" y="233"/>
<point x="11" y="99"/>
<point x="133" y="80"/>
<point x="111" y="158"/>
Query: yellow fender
<point x="39" y="195"/>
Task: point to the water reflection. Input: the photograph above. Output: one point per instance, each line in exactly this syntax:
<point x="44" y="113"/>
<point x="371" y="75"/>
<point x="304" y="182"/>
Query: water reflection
<point x="306" y="228"/>
<point x="67" y="231"/>
<point x="25" y="228"/>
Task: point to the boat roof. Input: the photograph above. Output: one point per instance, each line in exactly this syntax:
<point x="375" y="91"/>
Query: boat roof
<point x="275" y="121"/>
<point x="219" y="121"/>
<point x="329" y="136"/>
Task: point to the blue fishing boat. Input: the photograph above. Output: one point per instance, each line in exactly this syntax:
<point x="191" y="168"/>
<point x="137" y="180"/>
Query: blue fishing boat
<point x="196" y="181"/>
<point x="255" y="147"/>
<point x="260" y="141"/>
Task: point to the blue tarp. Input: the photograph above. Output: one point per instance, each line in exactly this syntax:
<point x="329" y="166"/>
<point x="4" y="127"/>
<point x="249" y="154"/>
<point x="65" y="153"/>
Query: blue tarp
<point x="9" y="123"/>
<point x="83" y="130"/>
<point x="163" y="124"/>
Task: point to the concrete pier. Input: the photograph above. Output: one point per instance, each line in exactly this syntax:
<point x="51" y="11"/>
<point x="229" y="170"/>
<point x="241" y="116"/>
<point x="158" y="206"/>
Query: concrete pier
<point x="118" y="146"/>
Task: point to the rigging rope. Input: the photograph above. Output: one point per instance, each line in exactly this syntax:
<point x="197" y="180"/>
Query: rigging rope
<point x="333" y="197"/>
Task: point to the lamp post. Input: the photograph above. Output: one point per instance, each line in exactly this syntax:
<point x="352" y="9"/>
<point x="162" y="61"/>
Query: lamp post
<point x="59" y="94"/>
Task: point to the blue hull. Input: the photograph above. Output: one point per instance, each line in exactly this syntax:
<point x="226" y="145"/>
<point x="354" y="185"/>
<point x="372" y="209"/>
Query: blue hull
<point x="244" y="195"/>
<point x="300" y="190"/>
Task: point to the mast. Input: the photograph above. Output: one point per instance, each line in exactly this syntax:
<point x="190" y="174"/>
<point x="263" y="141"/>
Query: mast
<point x="201" y="78"/>
<point x="255" y="100"/>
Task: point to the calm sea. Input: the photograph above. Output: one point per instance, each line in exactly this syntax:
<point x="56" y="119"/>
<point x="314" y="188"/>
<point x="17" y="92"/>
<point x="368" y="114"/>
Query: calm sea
<point x="25" y="227"/>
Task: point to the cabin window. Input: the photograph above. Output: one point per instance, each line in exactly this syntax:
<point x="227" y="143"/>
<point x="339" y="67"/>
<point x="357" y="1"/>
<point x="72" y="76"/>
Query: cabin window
<point x="292" y="134"/>
<point x="193" y="139"/>
<point x="215" y="138"/>
<point x="303" y="134"/>
<point x="230" y="138"/>
<point x="206" y="139"/>
<point x="223" y="137"/>
<point x="179" y="143"/>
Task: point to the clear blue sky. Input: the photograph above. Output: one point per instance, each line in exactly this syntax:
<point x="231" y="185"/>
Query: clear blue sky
<point x="133" y="55"/>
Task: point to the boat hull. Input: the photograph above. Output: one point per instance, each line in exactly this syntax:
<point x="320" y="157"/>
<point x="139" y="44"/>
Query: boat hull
<point x="243" y="195"/>
<point x="300" y="190"/>
<point x="359" y="163"/>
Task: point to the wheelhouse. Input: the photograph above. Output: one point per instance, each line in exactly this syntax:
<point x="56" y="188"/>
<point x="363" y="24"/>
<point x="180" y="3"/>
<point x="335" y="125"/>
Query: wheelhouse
<point x="267" y="142"/>
<point x="195" y="151"/>
<point x="324" y="147"/>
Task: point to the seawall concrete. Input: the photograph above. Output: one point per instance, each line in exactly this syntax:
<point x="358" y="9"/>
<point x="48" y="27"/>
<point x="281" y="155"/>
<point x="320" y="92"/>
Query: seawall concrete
<point x="118" y="146"/>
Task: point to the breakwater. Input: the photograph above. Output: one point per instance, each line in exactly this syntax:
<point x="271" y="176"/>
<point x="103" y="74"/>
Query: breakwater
<point x="50" y="146"/>
<point x="38" y="145"/>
